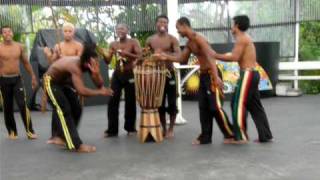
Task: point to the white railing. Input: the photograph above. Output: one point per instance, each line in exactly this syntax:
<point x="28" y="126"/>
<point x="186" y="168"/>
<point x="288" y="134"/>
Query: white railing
<point x="298" y="66"/>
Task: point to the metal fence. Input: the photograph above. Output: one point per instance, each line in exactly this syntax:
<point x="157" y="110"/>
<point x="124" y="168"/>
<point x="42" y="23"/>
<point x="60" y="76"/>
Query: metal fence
<point x="271" y="20"/>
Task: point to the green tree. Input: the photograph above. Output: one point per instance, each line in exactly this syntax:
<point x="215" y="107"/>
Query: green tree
<point x="13" y="16"/>
<point x="310" y="51"/>
<point x="140" y="19"/>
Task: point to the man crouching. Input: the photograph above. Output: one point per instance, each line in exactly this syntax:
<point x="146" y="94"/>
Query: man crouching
<point x="56" y="85"/>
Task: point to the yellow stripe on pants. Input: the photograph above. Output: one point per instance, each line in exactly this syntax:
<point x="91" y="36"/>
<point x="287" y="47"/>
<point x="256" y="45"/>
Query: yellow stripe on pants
<point x="225" y="121"/>
<point x="65" y="129"/>
<point x="241" y="105"/>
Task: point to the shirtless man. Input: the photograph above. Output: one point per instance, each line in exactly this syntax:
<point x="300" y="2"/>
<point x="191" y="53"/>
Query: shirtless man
<point x="56" y="83"/>
<point x="162" y="42"/>
<point x="246" y="96"/>
<point x="68" y="48"/>
<point x="11" y="53"/>
<point x="210" y="104"/>
<point x="126" y="51"/>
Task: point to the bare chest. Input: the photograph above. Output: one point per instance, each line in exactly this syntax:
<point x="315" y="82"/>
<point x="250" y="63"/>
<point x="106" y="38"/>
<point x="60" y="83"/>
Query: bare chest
<point x="128" y="47"/>
<point x="195" y="49"/>
<point x="161" y="44"/>
<point x="10" y="53"/>
<point x="69" y="50"/>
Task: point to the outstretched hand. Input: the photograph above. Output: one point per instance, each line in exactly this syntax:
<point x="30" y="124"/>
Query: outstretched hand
<point x="106" y="91"/>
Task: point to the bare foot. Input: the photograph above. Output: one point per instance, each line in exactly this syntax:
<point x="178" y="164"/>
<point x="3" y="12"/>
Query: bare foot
<point x="170" y="134"/>
<point x="196" y="142"/>
<point x="56" y="141"/>
<point x="239" y="142"/>
<point x="32" y="136"/>
<point x="132" y="133"/>
<point x="12" y="136"/>
<point x="228" y="141"/>
<point x="84" y="148"/>
<point x="50" y="141"/>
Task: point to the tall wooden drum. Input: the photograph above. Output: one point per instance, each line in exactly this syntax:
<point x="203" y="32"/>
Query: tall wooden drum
<point x="150" y="79"/>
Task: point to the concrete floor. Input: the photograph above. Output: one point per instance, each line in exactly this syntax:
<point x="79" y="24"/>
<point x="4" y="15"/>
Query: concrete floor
<point x="295" y="154"/>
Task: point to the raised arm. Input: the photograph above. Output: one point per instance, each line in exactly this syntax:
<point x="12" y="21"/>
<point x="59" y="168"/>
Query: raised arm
<point x="48" y="52"/>
<point x="53" y="55"/>
<point x="27" y="66"/>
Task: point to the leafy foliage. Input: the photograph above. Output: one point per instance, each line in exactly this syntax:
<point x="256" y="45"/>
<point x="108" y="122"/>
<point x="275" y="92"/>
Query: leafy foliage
<point x="310" y="50"/>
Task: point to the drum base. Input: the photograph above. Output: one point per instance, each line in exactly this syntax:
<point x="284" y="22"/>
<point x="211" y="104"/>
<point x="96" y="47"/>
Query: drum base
<point x="150" y="125"/>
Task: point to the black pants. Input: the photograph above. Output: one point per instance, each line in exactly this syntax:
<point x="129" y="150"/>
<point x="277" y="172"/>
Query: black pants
<point x="76" y="110"/>
<point x="210" y="106"/>
<point x="169" y="96"/>
<point x="12" y="87"/>
<point x="247" y="98"/>
<point x="63" y="116"/>
<point x="122" y="80"/>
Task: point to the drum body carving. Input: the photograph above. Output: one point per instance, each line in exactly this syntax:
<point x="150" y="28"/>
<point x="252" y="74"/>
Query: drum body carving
<point x="150" y="79"/>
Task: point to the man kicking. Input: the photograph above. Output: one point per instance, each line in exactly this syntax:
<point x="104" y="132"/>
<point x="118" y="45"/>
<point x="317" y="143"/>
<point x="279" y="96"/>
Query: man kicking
<point x="56" y="84"/>
<point x="162" y="42"/>
<point x="11" y="85"/>
<point x="246" y="96"/>
<point x="209" y="96"/>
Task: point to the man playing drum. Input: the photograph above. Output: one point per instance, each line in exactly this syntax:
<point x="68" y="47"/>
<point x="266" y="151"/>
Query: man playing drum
<point x="162" y="42"/>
